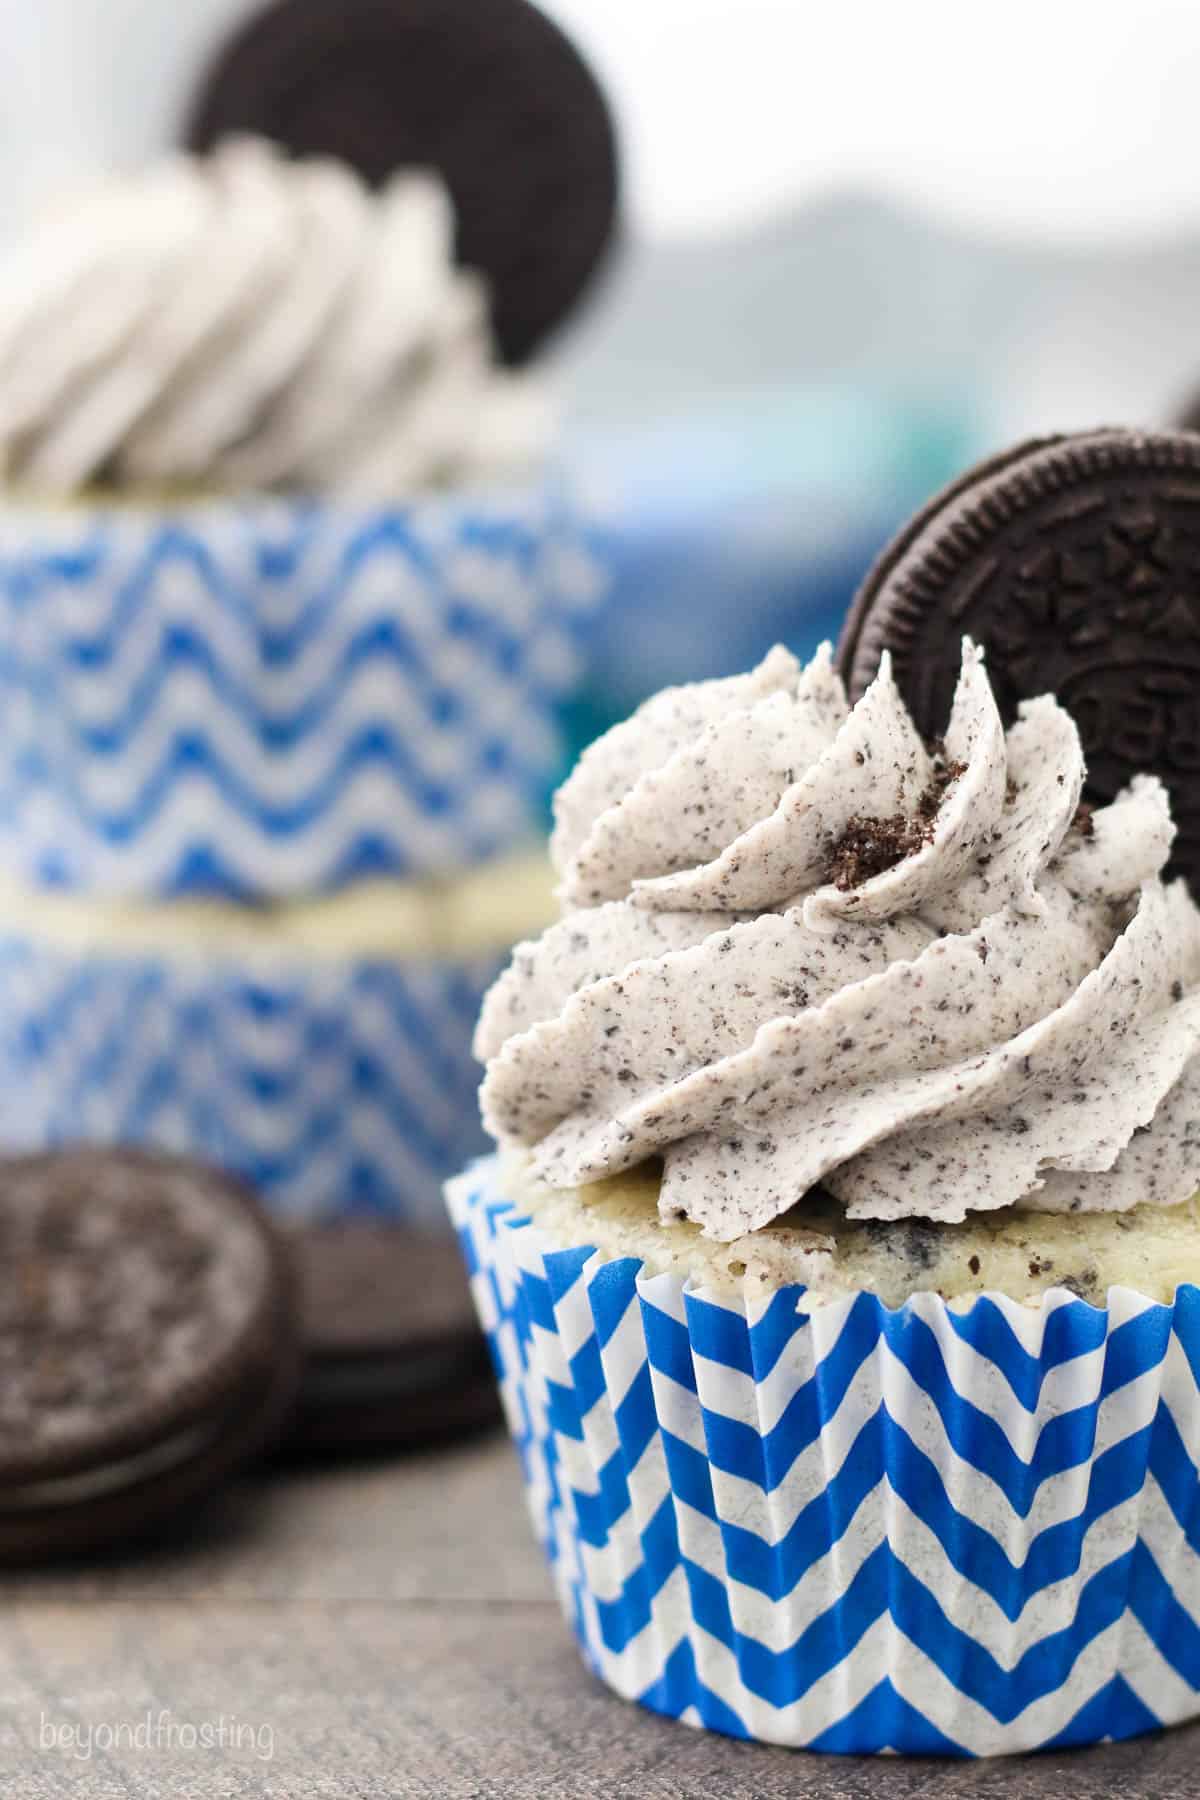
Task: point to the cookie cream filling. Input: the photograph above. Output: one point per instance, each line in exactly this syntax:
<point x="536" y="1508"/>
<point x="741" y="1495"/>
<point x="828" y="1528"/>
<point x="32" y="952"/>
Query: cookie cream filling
<point x="477" y="913"/>
<point x="246" y="321"/>
<point x="801" y="947"/>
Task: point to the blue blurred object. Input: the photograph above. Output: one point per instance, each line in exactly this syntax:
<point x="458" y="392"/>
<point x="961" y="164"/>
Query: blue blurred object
<point x="753" y="418"/>
<point x="760" y="411"/>
<point x="729" y="530"/>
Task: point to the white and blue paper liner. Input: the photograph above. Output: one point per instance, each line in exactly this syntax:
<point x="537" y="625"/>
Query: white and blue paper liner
<point x="336" y="1087"/>
<point x="923" y="1530"/>
<point x="262" y="698"/>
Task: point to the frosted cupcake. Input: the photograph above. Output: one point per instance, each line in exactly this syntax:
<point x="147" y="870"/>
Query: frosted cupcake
<point x="838" y="1260"/>
<point x="289" y="602"/>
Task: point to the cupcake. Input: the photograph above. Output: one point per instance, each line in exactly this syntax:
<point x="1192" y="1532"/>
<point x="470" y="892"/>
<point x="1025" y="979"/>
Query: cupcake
<point x="840" y="1250"/>
<point x="291" y="598"/>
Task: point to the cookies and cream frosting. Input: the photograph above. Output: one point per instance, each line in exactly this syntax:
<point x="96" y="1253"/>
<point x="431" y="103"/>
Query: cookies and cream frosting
<point x="802" y="947"/>
<point x="247" y="321"/>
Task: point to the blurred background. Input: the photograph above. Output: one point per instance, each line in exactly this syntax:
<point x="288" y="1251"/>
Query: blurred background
<point x="858" y="250"/>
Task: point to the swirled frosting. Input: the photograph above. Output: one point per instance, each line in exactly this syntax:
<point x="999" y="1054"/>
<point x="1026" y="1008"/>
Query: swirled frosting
<point x="800" y="946"/>
<point x="244" y="320"/>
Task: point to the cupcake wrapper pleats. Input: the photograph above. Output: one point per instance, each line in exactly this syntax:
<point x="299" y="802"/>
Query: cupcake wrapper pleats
<point x="266" y="698"/>
<point x="961" y="1531"/>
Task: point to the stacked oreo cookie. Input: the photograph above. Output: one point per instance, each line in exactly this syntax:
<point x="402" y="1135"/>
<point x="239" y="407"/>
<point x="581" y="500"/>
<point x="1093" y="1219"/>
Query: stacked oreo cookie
<point x="158" y="1333"/>
<point x="147" y="1342"/>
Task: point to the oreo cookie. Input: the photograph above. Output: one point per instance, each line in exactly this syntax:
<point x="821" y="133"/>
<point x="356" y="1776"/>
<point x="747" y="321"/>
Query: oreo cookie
<point x="147" y="1344"/>
<point x="393" y="1355"/>
<point x="489" y="93"/>
<point x="1075" y="561"/>
<point x="1188" y="416"/>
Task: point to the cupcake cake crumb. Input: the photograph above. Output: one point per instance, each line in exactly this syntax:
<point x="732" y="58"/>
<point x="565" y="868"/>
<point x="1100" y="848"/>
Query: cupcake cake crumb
<point x="1021" y="1255"/>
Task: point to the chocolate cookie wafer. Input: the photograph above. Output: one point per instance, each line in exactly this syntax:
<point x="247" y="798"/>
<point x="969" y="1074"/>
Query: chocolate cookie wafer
<point x="489" y="93"/>
<point x="147" y="1346"/>
<point x="1075" y="561"/>
<point x="393" y="1354"/>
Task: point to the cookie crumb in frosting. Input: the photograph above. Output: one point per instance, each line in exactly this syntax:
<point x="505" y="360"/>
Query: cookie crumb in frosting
<point x="869" y="845"/>
<point x="946" y="772"/>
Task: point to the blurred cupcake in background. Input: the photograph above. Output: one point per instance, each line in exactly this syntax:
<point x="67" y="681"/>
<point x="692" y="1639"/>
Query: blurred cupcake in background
<point x="291" y="597"/>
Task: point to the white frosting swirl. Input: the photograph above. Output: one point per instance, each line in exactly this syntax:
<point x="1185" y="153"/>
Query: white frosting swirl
<point x="249" y="321"/>
<point x="799" y="947"/>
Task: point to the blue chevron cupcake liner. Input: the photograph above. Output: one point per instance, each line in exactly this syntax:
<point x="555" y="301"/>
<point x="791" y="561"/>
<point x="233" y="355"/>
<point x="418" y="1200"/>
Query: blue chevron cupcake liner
<point x="265" y="698"/>
<point x="336" y="1087"/>
<point x="933" y="1530"/>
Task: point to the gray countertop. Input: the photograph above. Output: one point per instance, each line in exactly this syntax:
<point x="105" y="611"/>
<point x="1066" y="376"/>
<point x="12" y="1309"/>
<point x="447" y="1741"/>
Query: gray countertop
<point x="389" y="1630"/>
